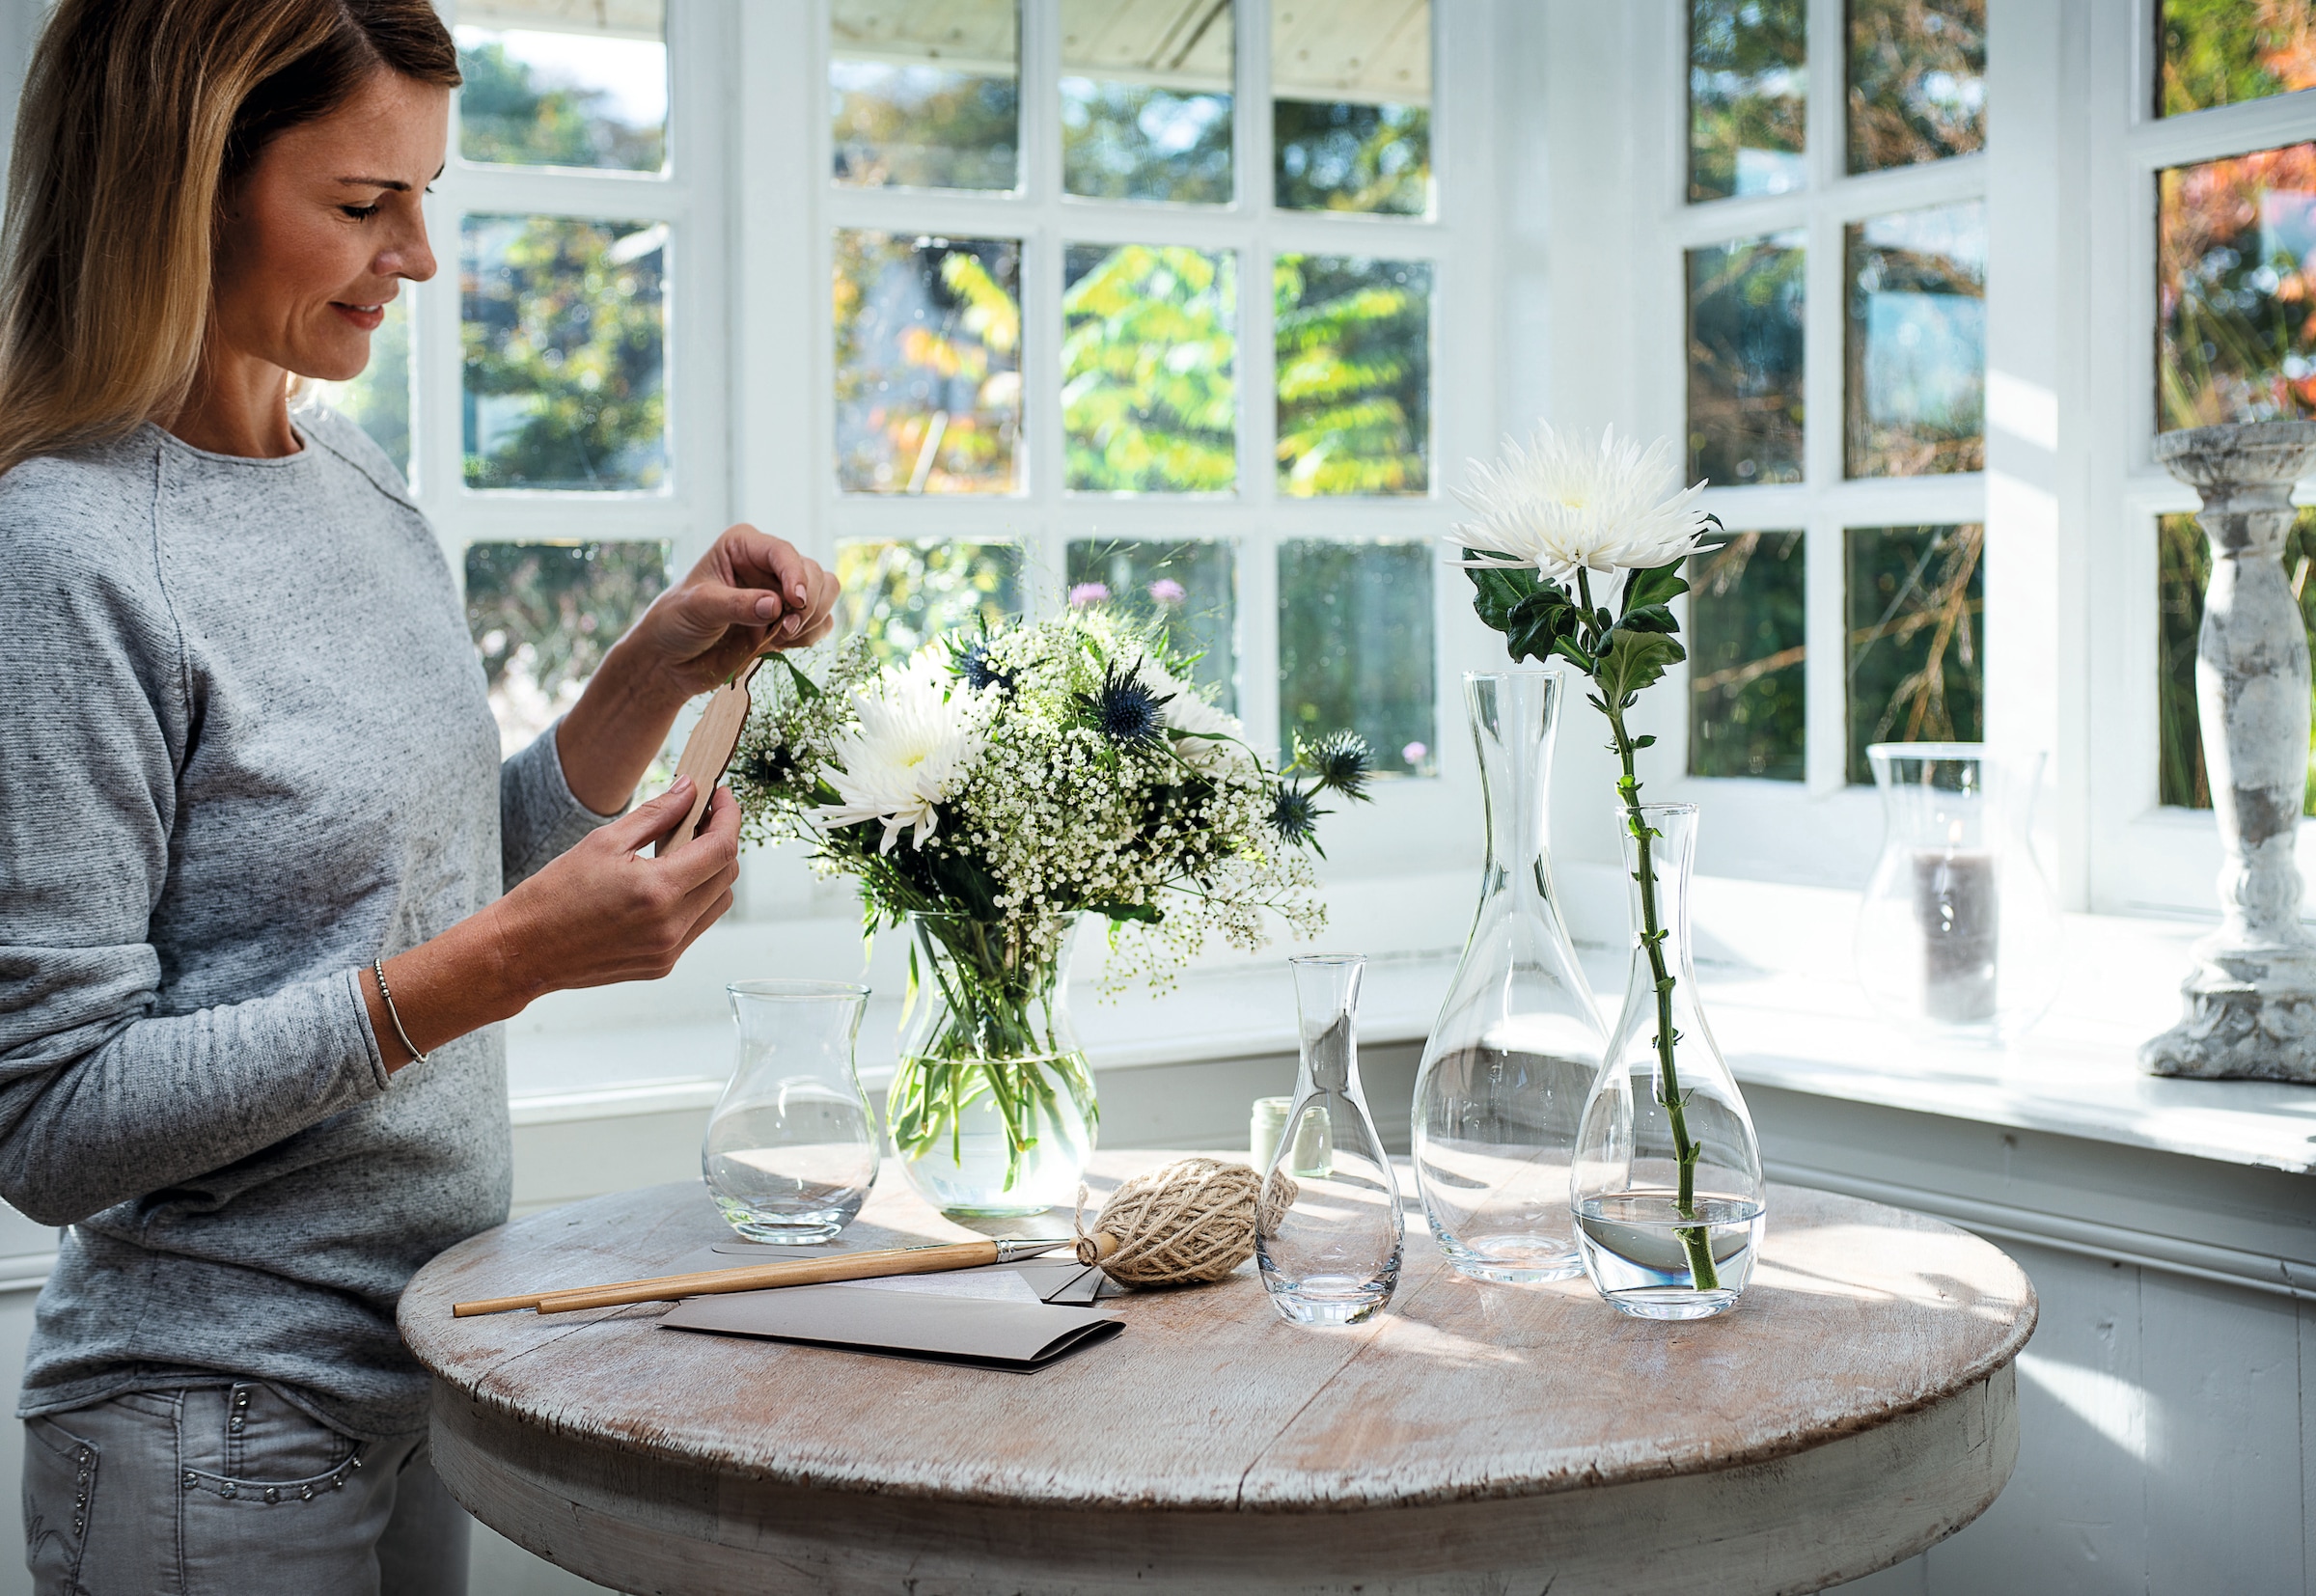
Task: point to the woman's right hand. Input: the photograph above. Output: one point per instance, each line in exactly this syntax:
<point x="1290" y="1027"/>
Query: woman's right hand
<point x="603" y="911"/>
<point x="606" y="911"/>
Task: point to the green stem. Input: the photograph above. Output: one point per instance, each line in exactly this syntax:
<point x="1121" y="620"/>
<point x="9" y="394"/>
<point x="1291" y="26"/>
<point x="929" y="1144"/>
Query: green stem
<point x="1695" y="1241"/>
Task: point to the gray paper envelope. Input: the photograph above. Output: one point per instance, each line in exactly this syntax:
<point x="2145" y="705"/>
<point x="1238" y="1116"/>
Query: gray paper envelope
<point x="1022" y="1338"/>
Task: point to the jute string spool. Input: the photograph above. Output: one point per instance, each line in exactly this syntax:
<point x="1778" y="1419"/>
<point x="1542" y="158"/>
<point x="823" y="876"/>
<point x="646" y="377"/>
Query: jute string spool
<point x="1182" y="1225"/>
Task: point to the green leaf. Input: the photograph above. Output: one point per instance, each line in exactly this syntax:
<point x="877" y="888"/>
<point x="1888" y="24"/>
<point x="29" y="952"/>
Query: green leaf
<point x="806" y="689"/>
<point x="1653" y="587"/>
<point x="1533" y="615"/>
<point x="1633" y="661"/>
<point x="1146" y="913"/>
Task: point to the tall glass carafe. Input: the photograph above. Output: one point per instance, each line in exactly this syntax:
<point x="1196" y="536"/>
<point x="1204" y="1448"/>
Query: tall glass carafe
<point x="791" y="1147"/>
<point x="1513" y="1053"/>
<point x="1668" y="1185"/>
<point x="1331" y="1256"/>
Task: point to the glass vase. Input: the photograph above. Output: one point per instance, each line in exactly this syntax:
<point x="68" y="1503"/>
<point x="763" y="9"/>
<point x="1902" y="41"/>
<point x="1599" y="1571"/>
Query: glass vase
<point x="791" y="1147"/>
<point x="1958" y="929"/>
<point x="1513" y="1053"/>
<point x="1331" y="1256"/>
<point x="991" y="1108"/>
<point x="1668" y="1188"/>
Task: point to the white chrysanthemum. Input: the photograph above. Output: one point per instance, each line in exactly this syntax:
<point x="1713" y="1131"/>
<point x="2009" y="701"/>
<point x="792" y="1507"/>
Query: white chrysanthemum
<point x="1572" y="501"/>
<point x="918" y="733"/>
<point x="1217" y="738"/>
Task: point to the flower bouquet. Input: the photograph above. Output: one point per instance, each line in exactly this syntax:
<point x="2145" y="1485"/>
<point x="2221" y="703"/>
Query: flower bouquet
<point x="993" y="790"/>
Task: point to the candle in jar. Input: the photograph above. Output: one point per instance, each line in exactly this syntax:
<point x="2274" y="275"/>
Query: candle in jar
<point x="1957" y="907"/>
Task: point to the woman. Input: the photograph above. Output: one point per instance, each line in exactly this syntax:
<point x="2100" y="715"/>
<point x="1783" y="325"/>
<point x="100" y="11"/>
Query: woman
<point x="254" y="830"/>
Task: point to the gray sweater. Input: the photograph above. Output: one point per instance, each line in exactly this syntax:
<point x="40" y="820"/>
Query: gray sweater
<point x="244" y="749"/>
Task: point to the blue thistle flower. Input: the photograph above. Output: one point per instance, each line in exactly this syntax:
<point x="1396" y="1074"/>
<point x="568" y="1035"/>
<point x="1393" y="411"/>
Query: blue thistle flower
<point x="1124" y="709"/>
<point x="1343" y="763"/>
<point x="1293" y="814"/>
<point x="977" y="670"/>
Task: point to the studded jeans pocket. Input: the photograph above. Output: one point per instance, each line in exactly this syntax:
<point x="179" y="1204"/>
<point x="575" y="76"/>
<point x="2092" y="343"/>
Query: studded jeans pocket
<point x="249" y="1445"/>
<point x="60" y="1486"/>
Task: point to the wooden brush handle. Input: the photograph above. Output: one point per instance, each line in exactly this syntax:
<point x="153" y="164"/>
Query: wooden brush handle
<point x="666" y="1288"/>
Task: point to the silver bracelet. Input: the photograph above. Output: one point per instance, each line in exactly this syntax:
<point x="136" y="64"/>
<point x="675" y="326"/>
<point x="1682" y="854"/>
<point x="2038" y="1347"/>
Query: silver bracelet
<point x="378" y="968"/>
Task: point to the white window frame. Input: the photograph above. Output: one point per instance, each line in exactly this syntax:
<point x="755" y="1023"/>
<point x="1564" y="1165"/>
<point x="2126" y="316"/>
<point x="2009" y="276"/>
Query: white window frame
<point x="789" y="208"/>
<point x="2144" y="857"/>
<point x="688" y="196"/>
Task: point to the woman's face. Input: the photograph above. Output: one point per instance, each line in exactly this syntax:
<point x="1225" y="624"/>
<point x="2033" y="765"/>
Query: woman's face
<point x="325" y="228"/>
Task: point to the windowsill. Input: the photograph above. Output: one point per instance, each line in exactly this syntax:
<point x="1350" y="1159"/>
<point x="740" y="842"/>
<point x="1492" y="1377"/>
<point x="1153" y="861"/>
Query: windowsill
<point x="1801" y="1027"/>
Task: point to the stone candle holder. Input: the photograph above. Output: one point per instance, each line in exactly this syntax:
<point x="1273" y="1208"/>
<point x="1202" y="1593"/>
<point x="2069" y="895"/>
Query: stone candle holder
<point x="2250" y="998"/>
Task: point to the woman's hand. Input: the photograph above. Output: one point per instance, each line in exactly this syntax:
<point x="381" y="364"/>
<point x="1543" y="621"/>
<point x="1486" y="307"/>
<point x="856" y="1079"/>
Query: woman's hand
<point x="604" y="912"/>
<point x="749" y="594"/>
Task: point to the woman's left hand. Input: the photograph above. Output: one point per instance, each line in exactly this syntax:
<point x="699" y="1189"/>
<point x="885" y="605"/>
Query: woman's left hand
<point x="749" y="594"/>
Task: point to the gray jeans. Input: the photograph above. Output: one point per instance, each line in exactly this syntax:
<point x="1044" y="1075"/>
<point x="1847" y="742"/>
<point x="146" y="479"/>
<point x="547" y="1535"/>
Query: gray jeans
<point x="231" y="1491"/>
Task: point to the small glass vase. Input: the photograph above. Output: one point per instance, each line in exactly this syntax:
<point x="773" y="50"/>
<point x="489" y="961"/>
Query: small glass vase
<point x="1668" y="1188"/>
<point x="791" y="1147"/>
<point x="1331" y="1255"/>
<point x="1513" y="1053"/>
<point x="1958" y="929"/>
<point x="991" y="1108"/>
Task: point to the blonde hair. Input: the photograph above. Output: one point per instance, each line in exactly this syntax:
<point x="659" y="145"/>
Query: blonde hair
<point x="138" y="118"/>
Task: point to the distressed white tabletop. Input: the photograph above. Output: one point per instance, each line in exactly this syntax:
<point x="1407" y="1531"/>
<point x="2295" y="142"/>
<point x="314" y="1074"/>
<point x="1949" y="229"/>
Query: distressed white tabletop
<point x="1856" y="1407"/>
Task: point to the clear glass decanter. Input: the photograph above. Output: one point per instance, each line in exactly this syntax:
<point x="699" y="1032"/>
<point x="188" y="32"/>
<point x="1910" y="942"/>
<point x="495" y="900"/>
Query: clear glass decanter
<point x="1513" y="1053"/>
<point x="1667" y="1185"/>
<point x="1958" y="929"/>
<point x="1331" y="1255"/>
<point x="791" y="1147"/>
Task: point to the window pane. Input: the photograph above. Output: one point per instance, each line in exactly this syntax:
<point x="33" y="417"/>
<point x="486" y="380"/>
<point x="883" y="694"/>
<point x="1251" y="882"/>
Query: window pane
<point x="1914" y="379"/>
<point x="1918" y="81"/>
<point x="1916" y="673"/>
<point x="2221" y="53"/>
<point x="561" y="85"/>
<point x="1745" y="361"/>
<point x="2235" y="270"/>
<point x="926" y="97"/>
<point x="378" y="400"/>
<point x="2183" y="565"/>
<point x="543" y="615"/>
<point x="1748" y="82"/>
<point x="902" y="595"/>
<point x="1351" y="106"/>
<point x="928" y="363"/>
<point x="1150" y="356"/>
<point x="1748" y="625"/>
<point x="565" y="325"/>
<point x="1191" y="588"/>
<point x="1354" y="346"/>
<point x="1146" y="100"/>
<point x="1354" y="647"/>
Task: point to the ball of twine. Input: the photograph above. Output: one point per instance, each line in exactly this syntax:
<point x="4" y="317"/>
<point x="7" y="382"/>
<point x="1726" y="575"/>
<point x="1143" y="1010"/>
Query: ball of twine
<point x="1186" y="1223"/>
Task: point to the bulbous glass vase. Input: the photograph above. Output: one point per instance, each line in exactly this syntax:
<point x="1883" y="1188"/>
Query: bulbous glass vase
<point x="791" y="1147"/>
<point x="1668" y="1188"/>
<point x="1331" y="1256"/>
<point x="992" y="1106"/>
<point x="1958" y="929"/>
<point x="1518" y="1042"/>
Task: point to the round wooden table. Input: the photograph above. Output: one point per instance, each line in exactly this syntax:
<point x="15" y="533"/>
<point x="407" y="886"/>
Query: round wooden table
<point x="1857" y="1407"/>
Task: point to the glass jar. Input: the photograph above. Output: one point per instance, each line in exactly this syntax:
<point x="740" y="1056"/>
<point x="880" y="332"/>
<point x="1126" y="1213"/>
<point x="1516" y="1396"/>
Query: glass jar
<point x="1512" y="1055"/>
<point x="1668" y="1188"/>
<point x="1331" y="1256"/>
<point x="991" y="1108"/>
<point x="791" y="1147"/>
<point x="1958" y="929"/>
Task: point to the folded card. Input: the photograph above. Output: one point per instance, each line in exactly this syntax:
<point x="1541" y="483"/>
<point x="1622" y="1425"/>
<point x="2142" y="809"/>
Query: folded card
<point x="1057" y="1278"/>
<point x="859" y="1317"/>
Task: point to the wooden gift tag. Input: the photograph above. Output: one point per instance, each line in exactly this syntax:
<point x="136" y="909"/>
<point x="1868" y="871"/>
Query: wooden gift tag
<point x="707" y="752"/>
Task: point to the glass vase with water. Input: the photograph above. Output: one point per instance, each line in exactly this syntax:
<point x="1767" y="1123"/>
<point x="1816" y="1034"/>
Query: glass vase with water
<point x="1666" y="1188"/>
<point x="1331" y="1256"/>
<point x="791" y="1148"/>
